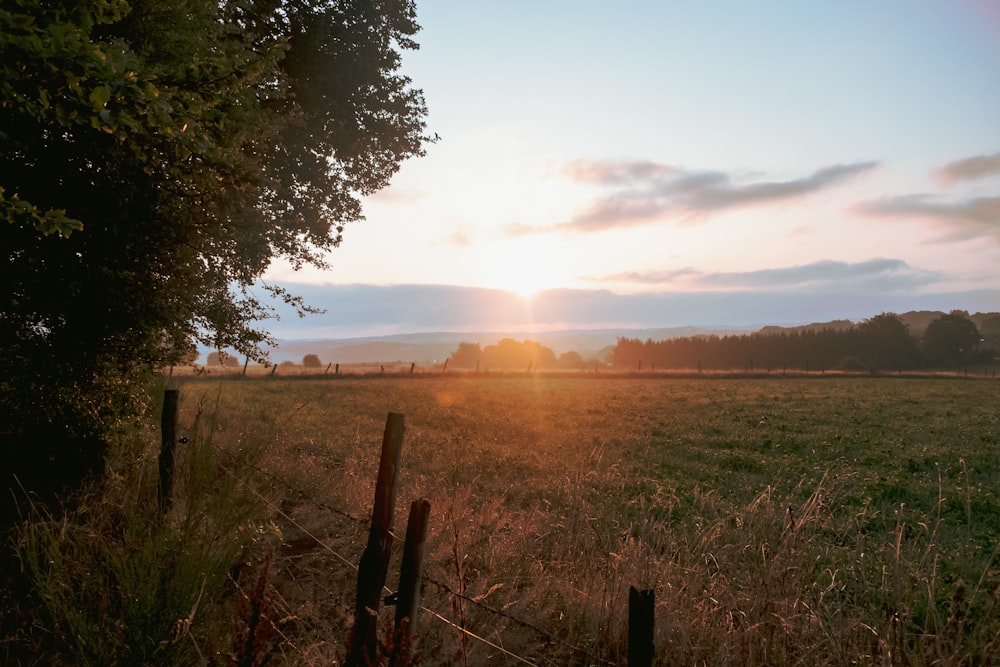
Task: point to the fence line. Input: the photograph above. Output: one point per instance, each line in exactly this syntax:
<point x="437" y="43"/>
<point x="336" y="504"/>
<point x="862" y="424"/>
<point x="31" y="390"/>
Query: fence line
<point x="473" y="635"/>
<point x="349" y="563"/>
<point x="526" y="624"/>
<point x="441" y="586"/>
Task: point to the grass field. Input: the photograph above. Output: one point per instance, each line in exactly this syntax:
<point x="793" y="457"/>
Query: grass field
<point x="805" y="521"/>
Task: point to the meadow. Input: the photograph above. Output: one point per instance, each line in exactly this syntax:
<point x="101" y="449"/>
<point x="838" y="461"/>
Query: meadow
<point x="780" y="521"/>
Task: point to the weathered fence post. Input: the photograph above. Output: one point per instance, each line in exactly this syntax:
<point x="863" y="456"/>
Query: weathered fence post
<point x="641" y="623"/>
<point x="328" y="368"/>
<point x="408" y="595"/>
<point x="168" y="444"/>
<point x="274" y="369"/>
<point x="374" y="563"/>
<point x="245" y="364"/>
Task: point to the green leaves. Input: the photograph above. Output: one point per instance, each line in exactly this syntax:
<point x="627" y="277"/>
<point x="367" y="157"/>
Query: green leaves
<point x="53" y="221"/>
<point x="192" y="143"/>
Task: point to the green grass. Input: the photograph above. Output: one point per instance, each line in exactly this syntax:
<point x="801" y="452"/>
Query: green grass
<point x="107" y="580"/>
<point x="805" y="521"/>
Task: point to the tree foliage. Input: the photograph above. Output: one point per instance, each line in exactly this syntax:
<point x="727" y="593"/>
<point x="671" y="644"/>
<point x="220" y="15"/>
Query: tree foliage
<point x="156" y="157"/>
<point x="466" y="355"/>
<point x="881" y="343"/>
<point x="221" y="358"/>
<point x="885" y="343"/>
<point x="950" y="339"/>
<point x="507" y="353"/>
<point x="311" y="361"/>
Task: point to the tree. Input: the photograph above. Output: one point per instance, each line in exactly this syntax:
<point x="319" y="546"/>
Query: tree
<point x="989" y="329"/>
<point x="221" y="358"/>
<point x="570" y="359"/>
<point x="466" y="355"/>
<point x="509" y="353"/>
<point x="311" y="361"/>
<point x="885" y="343"/>
<point x="155" y="158"/>
<point x="950" y="339"/>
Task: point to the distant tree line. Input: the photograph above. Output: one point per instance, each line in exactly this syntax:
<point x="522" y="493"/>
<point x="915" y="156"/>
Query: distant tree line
<point x="882" y="343"/>
<point x="511" y="354"/>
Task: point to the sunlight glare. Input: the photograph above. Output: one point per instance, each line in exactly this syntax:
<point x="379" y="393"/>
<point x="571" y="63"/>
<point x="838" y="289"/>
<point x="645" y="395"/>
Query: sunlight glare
<point x="528" y="270"/>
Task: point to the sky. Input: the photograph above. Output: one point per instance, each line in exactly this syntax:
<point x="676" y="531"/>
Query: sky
<point x="648" y="164"/>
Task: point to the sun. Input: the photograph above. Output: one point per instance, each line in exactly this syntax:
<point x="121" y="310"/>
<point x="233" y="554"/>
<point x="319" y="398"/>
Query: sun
<point x="525" y="269"/>
<point x="526" y="292"/>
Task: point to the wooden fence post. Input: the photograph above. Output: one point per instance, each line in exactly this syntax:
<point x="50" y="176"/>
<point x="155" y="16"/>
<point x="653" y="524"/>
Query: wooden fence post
<point x="374" y="563"/>
<point x="641" y="623"/>
<point x="408" y="595"/>
<point x="168" y="444"/>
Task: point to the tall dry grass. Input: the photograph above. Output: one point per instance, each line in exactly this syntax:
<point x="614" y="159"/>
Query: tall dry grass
<point x="845" y="528"/>
<point x="543" y="516"/>
<point x="105" y="579"/>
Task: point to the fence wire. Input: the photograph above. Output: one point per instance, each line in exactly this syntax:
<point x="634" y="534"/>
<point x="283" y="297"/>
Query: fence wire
<point x="441" y="586"/>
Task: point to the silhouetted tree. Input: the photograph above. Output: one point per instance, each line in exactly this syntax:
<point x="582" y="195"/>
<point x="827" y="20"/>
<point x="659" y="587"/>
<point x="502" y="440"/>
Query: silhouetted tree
<point x="884" y="342"/>
<point x="155" y="158"/>
<point x="468" y="355"/>
<point x="311" y="361"/>
<point x="221" y="358"/>
<point x="989" y="329"/>
<point x="950" y="339"/>
<point x="509" y="353"/>
<point x="570" y="360"/>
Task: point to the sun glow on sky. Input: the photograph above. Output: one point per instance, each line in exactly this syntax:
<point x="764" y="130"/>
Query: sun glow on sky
<point x="789" y="148"/>
<point x="526" y="273"/>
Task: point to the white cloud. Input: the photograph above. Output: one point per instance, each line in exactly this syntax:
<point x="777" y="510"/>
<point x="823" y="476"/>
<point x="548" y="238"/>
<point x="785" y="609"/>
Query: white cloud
<point x="886" y="275"/>
<point x="645" y="192"/>
<point x="970" y="168"/>
<point x="961" y="219"/>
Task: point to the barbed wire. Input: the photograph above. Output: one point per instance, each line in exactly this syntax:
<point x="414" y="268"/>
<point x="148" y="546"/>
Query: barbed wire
<point x="526" y="624"/>
<point x="441" y="586"/>
<point x="353" y="566"/>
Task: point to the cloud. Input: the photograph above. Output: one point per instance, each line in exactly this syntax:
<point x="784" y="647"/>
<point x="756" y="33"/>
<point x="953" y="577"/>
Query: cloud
<point x="618" y="173"/>
<point x="970" y="168"/>
<point x="644" y="192"/>
<point x="963" y="220"/>
<point x="882" y="274"/>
